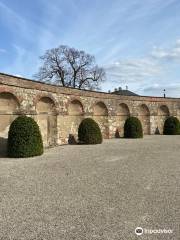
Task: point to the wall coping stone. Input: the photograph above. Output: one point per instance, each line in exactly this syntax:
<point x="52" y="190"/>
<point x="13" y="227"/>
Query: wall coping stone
<point x="21" y="82"/>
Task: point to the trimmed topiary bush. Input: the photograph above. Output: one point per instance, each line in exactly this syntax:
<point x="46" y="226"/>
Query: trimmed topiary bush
<point x="133" y="128"/>
<point x="24" y="138"/>
<point x="171" y="126"/>
<point x="89" y="132"/>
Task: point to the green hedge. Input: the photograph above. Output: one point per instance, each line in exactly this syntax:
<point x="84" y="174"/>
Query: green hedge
<point x="171" y="126"/>
<point x="89" y="132"/>
<point x="24" y="138"/>
<point x="133" y="128"/>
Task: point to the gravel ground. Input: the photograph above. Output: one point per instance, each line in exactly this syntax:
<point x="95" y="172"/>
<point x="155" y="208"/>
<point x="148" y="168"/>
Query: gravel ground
<point x="100" y="192"/>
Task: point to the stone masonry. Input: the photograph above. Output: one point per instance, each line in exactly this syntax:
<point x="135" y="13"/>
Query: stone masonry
<point x="59" y="110"/>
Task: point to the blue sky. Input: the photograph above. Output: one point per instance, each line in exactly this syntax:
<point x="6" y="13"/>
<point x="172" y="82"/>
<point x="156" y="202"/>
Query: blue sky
<point x="136" y="41"/>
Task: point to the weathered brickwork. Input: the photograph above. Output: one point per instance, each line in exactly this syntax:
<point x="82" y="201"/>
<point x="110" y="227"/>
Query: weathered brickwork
<point x="60" y="110"/>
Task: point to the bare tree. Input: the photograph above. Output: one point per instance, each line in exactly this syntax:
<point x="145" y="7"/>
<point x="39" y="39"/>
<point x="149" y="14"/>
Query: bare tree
<point x="70" y="67"/>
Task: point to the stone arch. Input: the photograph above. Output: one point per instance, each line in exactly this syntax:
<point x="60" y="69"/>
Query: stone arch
<point x="47" y="120"/>
<point x="46" y="98"/>
<point x="100" y="115"/>
<point x="73" y="119"/>
<point x="45" y="105"/>
<point x="9" y="110"/>
<point x="144" y="117"/>
<point x="123" y="113"/>
<point x="123" y="110"/>
<point x="9" y="103"/>
<point x="163" y="110"/>
<point x="75" y="108"/>
<point x="100" y="109"/>
<point x="163" y="114"/>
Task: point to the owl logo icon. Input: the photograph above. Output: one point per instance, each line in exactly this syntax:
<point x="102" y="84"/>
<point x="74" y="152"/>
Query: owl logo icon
<point x="138" y="231"/>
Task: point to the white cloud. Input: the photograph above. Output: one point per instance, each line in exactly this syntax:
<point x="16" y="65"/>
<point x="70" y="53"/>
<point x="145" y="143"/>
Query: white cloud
<point x="133" y="70"/>
<point x="150" y="74"/>
<point x="172" y="53"/>
<point x="87" y="27"/>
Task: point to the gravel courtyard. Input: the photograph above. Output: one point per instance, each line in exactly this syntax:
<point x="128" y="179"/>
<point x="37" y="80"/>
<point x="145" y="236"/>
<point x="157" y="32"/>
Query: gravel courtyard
<point x="98" y="192"/>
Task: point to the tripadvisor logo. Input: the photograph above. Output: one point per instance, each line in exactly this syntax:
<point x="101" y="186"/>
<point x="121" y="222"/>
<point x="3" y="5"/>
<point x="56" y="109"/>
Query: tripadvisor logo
<point x="139" y="231"/>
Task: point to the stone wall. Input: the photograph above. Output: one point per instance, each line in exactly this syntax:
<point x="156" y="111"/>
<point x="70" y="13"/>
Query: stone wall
<point x="59" y="110"/>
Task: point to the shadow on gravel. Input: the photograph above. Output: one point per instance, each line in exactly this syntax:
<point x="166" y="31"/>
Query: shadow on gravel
<point x="3" y="147"/>
<point x="72" y="140"/>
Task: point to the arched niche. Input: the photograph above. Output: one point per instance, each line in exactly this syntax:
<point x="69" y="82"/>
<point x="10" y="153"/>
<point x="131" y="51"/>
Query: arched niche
<point x="123" y="110"/>
<point x="144" y="110"/>
<point x="163" y="114"/>
<point x="75" y="108"/>
<point x="100" y="109"/>
<point x="9" y="109"/>
<point x="47" y="120"/>
<point x="73" y="119"/>
<point x="8" y="103"/>
<point x="123" y="113"/>
<point x="45" y="105"/>
<point x="163" y="111"/>
<point x="100" y="115"/>
<point x="144" y="117"/>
